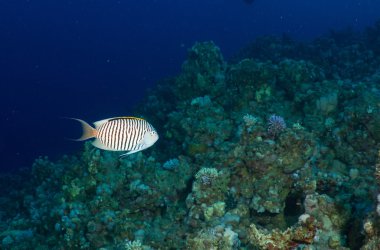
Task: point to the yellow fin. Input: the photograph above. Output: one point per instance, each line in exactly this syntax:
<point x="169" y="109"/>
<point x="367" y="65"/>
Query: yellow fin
<point x="101" y="122"/>
<point x="88" y="131"/>
<point x="125" y="117"/>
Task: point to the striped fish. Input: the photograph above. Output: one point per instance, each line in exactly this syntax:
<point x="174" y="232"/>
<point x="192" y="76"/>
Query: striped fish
<point x="120" y="134"/>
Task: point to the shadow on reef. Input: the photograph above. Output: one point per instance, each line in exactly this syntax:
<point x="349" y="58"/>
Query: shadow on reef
<point x="275" y="150"/>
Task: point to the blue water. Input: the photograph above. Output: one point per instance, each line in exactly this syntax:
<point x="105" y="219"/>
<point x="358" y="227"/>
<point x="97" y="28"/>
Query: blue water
<point x="96" y="59"/>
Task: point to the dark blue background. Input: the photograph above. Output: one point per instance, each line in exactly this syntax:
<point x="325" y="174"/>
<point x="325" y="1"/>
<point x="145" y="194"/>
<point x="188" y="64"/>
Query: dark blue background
<point x="95" y="59"/>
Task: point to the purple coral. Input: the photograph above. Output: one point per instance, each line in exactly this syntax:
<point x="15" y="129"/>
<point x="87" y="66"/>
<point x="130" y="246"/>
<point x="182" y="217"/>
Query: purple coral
<point x="276" y="124"/>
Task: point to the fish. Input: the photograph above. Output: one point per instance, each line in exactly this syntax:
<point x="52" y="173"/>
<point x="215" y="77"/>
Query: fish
<point x="127" y="133"/>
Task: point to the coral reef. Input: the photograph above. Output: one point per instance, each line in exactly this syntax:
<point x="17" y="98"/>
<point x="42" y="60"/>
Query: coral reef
<point x="277" y="149"/>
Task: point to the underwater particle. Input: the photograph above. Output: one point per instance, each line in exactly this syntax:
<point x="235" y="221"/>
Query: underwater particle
<point x="120" y="134"/>
<point x="276" y="124"/>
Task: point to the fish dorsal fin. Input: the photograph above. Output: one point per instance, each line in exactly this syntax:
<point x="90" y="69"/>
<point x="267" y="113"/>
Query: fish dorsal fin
<point x="125" y="117"/>
<point x="101" y="122"/>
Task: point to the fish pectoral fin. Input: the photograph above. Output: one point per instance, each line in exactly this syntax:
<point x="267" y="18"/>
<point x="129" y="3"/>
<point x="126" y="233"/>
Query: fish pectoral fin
<point x="129" y="152"/>
<point x="140" y="147"/>
<point x="123" y="155"/>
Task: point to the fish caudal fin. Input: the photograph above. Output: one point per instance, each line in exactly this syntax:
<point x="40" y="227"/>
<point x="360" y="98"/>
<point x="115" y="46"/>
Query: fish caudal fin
<point x="88" y="131"/>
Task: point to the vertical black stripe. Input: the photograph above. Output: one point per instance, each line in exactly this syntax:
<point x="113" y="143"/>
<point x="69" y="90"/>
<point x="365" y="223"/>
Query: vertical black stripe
<point x="133" y="135"/>
<point x="101" y="134"/>
<point x="122" y="134"/>
<point x="138" y="132"/>
<point x="126" y="128"/>
<point x="112" y="130"/>
<point x="108" y="134"/>
<point x="131" y="131"/>
<point x="128" y="139"/>
<point x="141" y="131"/>
<point x="129" y="135"/>
<point x="115" y="140"/>
<point x="118" y="135"/>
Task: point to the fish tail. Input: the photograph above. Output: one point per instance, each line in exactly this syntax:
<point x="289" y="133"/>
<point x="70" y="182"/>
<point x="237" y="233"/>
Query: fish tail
<point x="88" y="131"/>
